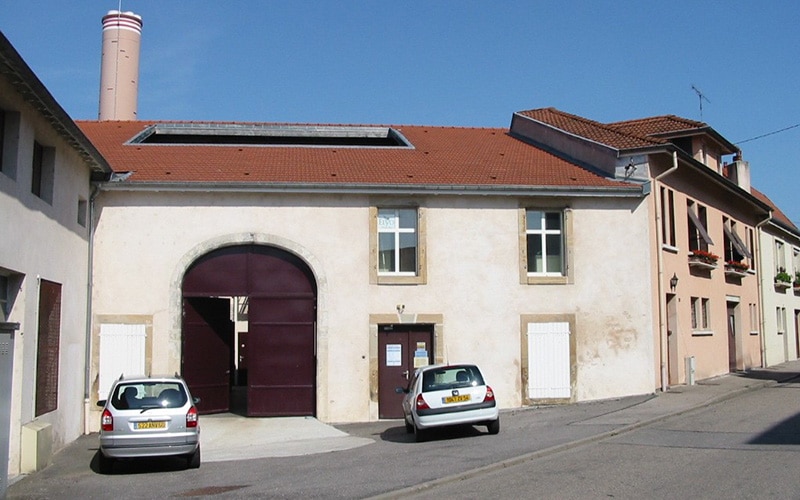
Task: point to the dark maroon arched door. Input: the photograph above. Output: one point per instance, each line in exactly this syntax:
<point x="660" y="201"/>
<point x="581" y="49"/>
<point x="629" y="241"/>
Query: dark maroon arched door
<point x="281" y="356"/>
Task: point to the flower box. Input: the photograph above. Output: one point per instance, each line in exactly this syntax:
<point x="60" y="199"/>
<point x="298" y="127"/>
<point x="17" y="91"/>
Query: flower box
<point x="703" y="260"/>
<point x="735" y="272"/>
<point x="782" y="285"/>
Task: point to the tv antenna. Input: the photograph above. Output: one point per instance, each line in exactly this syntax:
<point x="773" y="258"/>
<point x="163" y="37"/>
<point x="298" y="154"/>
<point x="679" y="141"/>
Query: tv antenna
<point x="701" y="96"/>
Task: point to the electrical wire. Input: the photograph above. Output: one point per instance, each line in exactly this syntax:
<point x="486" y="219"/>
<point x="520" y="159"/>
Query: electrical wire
<point x="768" y="134"/>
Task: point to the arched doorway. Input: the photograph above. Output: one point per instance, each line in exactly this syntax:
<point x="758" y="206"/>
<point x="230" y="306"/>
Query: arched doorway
<point x="280" y="291"/>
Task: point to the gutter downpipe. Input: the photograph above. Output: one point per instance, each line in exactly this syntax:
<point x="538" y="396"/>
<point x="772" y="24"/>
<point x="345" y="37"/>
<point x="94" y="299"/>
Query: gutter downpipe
<point x="760" y="285"/>
<point x="88" y="347"/>
<point x="662" y="337"/>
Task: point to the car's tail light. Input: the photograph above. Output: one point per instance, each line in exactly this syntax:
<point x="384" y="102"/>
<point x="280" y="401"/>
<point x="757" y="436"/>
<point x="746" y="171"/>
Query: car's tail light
<point x="191" y="417"/>
<point x="420" y="403"/>
<point x="107" y="421"/>
<point x="489" y="394"/>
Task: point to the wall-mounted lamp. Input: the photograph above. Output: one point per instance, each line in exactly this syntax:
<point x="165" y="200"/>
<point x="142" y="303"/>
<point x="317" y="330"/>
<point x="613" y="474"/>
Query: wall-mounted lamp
<point x="401" y="308"/>
<point x="673" y="282"/>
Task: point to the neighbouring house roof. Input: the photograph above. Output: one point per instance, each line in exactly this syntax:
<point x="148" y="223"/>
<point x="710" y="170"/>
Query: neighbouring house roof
<point x="670" y="126"/>
<point x="33" y="91"/>
<point x="777" y="215"/>
<point x="422" y="156"/>
<point x="592" y="130"/>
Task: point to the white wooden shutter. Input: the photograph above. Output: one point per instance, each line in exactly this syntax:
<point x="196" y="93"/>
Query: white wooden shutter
<point x="122" y="348"/>
<point x="548" y="360"/>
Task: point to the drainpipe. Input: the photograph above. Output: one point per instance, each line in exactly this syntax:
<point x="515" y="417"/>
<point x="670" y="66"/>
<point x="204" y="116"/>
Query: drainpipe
<point x="662" y="336"/>
<point x="88" y="347"/>
<point x="760" y="285"/>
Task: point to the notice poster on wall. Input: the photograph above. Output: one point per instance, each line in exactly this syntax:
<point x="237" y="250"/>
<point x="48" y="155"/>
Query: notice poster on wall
<point x="421" y="355"/>
<point x="394" y="355"/>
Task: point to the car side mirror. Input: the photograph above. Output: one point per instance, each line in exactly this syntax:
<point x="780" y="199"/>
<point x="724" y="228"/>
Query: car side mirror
<point x="401" y="390"/>
<point x="101" y="403"/>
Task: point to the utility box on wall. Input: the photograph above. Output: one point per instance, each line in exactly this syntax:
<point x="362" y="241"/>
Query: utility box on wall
<point x="37" y="446"/>
<point x="690" y="369"/>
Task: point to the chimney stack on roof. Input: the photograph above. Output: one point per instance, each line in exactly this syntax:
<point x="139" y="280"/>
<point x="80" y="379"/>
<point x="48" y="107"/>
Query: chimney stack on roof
<point x="119" y="67"/>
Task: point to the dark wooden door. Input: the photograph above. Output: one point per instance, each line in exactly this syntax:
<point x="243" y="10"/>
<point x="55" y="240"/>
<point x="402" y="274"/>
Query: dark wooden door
<point x="281" y="376"/>
<point x="401" y="348"/>
<point x="732" y="364"/>
<point x="208" y="351"/>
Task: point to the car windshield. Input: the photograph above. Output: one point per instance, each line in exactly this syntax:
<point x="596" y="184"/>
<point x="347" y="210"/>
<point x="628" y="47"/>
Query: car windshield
<point x="148" y="395"/>
<point x="450" y="377"/>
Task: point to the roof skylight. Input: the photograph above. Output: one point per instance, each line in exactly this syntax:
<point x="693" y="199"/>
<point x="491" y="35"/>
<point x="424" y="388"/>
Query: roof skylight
<point x="215" y="134"/>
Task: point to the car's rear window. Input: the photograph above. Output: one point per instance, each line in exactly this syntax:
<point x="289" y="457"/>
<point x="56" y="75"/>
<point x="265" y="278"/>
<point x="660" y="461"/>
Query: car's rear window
<point x="450" y="377"/>
<point x="141" y="395"/>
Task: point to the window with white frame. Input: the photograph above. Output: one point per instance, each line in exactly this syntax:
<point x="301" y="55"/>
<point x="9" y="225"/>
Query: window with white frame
<point x="700" y="314"/>
<point x="544" y="234"/>
<point x="780" y="313"/>
<point x="667" y="217"/>
<point x="780" y="257"/>
<point x="397" y="241"/>
<point x="796" y="265"/>
<point x="699" y="238"/>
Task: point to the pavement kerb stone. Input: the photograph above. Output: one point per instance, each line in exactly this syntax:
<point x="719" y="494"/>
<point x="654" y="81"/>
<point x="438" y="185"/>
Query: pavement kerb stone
<point x="510" y="462"/>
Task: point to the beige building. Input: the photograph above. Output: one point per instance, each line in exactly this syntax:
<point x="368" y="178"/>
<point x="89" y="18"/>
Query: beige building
<point x="46" y="169"/>
<point x="362" y="252"/>
<point x="702" y="220"/>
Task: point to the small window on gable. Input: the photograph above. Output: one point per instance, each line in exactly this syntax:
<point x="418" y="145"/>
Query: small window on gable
<point x="83" y="210"/>
<point x="9" y="134"/>
<point x="43" y="172"/>
<point x="698" y="232"/>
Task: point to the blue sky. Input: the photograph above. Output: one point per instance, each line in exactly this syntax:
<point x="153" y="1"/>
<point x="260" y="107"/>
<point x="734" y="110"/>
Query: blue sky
<point x="430" y="62"/>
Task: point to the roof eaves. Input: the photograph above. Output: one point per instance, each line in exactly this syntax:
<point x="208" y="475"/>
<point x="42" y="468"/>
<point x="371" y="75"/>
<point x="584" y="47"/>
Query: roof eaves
<point x="623" y="190"/>
<point x="726" y="183"/>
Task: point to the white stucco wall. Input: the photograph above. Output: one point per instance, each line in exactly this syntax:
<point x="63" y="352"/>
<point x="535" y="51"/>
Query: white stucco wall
<point x="145" y="241"/>
<point x="778" y="347"/>
<point x="43" y="240"/>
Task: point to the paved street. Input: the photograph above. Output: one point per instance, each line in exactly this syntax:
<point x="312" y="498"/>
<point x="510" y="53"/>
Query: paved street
<point x="661" y="442"/>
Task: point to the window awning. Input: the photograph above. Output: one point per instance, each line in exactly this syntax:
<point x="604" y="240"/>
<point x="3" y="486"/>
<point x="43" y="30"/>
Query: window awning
<point x="699" y="226"/>
<point x="738" y="244"/>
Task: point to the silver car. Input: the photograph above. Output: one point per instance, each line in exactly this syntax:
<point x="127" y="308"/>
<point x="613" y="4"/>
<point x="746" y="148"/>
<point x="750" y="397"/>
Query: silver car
<point x="149" y="417"/>
<point x="443" y="395"/>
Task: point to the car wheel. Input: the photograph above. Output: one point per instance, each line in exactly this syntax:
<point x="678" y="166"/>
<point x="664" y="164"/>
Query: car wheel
<point x="494" y="426"/>
<point x="420" y="435"/>
<point x="104" y="463"/>
<point x="193" y="460"/>
<point x="409" y="427"/>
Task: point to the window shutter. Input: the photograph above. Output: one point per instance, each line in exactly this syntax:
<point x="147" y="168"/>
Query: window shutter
<point x="548" y="360"/>
<point x="122" y="351"/>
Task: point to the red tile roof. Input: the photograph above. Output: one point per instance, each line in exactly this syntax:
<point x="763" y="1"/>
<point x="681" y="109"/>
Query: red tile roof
<point x="777" y="214"/>
<point x="657" y="125"/>
<point x="595" y="131"/>
<point x="446" y="156"/>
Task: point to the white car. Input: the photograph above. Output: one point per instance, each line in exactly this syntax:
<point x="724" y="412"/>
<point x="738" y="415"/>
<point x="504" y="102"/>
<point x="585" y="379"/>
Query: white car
<point x="443" y="395"/>
<point x="149" y="417"/>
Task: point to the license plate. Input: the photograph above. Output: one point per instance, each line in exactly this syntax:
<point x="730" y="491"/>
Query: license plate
<point x="150" y="425"/>
<point x="456" y="399"/>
